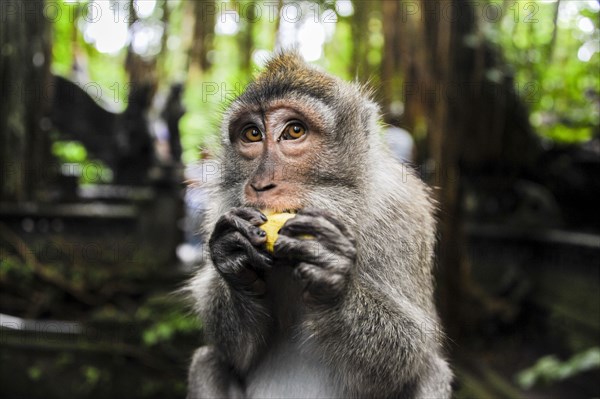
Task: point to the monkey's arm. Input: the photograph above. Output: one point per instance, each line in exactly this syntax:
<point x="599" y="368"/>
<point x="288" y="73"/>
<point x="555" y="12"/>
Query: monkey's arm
<point x="386" y="341"/>
<point x="228" y="292"/>
<point x="210" y="376"/>
<point x="380" y="340"/>
<point x="233" y="322"/>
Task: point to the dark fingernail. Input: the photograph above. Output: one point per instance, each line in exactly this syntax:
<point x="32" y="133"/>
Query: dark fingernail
<point x="260" y="232"/>
<point x="263" y="217"/>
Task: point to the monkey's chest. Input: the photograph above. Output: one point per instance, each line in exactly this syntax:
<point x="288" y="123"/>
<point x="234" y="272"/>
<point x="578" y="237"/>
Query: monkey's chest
<point x="290" y="368"/>
<point x="285" y="298"/>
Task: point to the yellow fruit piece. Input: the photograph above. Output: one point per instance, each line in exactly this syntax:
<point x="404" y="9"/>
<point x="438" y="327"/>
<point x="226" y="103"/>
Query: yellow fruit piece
<point x="272" y="225"/>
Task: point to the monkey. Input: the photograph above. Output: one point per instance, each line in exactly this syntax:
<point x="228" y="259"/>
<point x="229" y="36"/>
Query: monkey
<point x="343" y="307"/>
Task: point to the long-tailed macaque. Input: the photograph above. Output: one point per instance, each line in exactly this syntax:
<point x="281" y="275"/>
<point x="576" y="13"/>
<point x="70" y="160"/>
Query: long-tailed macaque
<point x="343" y="307"/>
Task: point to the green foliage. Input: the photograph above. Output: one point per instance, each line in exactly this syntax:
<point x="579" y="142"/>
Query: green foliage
<point x="551" y="49"/>
<point x="339" y="50"/>
<point x="206" y="95"/>
<point x="165" y="319"/>
<point x="550" y="369"/>
<point x="555" y="64"/>
<point x="62" y="49"/>
<point x="105" y="70"/>
<point x="69" y="151"/>
<point x="75" y="154"/>
<point x="35" y="373"/>
<point x="12" y="268"/>
<point x="165" y="329"/>
<point x="92" y="375"/>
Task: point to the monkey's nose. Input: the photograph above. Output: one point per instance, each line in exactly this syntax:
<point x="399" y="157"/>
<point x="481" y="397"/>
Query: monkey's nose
<point x="260" y="187"/>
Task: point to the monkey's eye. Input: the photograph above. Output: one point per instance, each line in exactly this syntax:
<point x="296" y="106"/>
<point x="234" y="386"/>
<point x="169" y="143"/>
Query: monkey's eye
<point x="293" y="131"/>
<point x="252" y="135"/>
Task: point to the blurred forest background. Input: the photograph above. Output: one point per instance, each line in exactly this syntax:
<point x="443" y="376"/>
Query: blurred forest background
<point x="105" y="104"/>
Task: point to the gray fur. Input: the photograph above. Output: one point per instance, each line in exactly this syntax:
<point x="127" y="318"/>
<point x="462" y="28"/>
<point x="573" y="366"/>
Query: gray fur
<point x="382" y="337"/>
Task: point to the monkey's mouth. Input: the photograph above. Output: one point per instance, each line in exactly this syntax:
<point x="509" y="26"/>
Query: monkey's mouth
<point x="275" y="205"/>
<point x="282" y="197"/>
<point x="270" y="211"/>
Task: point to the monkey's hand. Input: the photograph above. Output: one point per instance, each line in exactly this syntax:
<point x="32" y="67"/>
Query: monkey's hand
<point x="322" y="252"/>
<point x="233" y="250"/>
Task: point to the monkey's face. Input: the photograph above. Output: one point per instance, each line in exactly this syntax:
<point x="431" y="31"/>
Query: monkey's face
<point x="298" y="138"/>
<point x="278" y="148"/>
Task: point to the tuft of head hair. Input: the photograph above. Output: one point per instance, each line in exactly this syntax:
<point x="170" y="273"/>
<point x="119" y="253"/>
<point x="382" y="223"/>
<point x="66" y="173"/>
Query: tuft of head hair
<point x="287" y="72"/>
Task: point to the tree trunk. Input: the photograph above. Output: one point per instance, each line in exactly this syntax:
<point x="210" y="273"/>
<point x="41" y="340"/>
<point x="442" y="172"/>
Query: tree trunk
<point x="204" y="25"/>
<point x="360" y="43"/>
<point x="246" y="36"/>
<point x="474" y="124"/>
<point x="24" y="72"/>
<point x="390" y="64"/>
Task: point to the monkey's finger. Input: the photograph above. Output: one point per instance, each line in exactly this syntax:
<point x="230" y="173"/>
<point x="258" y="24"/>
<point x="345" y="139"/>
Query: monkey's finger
<point x="319" y="284"/>
<point x="331" y="218"/>
<point x="236" y="242"/>
<point x="311" y="251"/>
<point x="297" y="250"/>
<point x="234" y="270"/>
<point x="231" y="222"/>
<point x="240" y="216"/>
<point x="252" y="215"/>
<point x="258" y="260"/>
<point x="325" y="232"/>
<point x="308" y="272"/>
